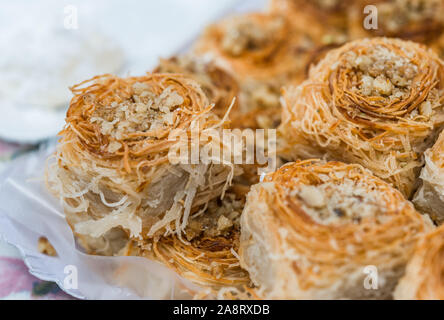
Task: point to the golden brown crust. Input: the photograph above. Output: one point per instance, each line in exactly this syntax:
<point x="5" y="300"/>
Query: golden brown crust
<point x="299" y="243"/>
<point x="112" y="169"/>
<point x="376" y="102"/>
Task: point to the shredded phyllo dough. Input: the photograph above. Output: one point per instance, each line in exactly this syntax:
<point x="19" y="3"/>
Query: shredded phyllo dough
<point x="376" y="102"/>
<point x="429" y="198"/>
<point x="112" y="171"/>
<point x="424" y="278"/>
<point x="419" y="20"/>
<point x="262" y="52"/>
<point x="209" y="256"/>
<point x="326" y="21"/>
<point x="143" y="167"/>
<point x="310" y="229"/>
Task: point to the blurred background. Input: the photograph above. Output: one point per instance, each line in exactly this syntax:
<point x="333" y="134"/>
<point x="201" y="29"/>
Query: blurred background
<point x="49" y="45"/>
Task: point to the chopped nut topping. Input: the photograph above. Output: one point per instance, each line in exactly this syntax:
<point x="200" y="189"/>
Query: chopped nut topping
<point x="114" y="146"/>
<point x="312" y="196"/>
<point x="145" y="111"/>
<point x="224" y="223"/>
<point x="331" y="203"/>
<point x="381" y="72"/>
<point x="327" y="4"/>
<point x="242" y="35"/>
<point x="45" y="247"/>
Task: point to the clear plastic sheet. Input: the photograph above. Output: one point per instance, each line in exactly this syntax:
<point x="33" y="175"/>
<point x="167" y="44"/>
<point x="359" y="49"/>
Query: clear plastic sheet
<point x="28" y="211"/>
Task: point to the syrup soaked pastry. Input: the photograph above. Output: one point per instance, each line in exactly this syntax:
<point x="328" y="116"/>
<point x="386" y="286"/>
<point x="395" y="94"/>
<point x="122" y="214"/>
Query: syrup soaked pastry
<point x="316" y="230"/>
<point x="424" y="275"/>
<point x="209" y="256"/>
<point x="376" y="102"/>
<point x="112" y="170"/>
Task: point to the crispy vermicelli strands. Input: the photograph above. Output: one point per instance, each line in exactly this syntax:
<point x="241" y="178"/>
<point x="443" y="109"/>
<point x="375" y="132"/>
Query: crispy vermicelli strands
<point x="420" y="21"/>
<point x="309" y="230"/>
<point x="325" y="21"/>
<point x="113" y="172"/>
<point x="424" y="279"/>
<point x="220" y="87"/>
<point x="262" y="52"/>
<point x="377" y="102"/>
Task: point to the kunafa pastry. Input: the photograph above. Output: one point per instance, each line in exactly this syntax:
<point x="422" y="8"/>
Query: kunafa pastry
<point x="113" y="170"/>
<point x="316" y="230"/>
<point x="209" y="256"/>
<point x="376" y="102"/>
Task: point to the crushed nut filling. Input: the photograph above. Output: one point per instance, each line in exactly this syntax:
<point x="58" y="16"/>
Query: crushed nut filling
<point x="220" y="218"/>
<point x="381" y="72"/>
<point x="145" y="111"/>
<point x="245" y="35"/>
<point x="351" y="201"/>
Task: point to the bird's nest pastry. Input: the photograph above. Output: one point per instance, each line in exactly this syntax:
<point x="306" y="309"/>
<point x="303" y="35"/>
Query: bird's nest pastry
<point x="376" y="102"/>
<point x="325" y="20"/>
<point x="219" y="86"/>
<point x="424" y="279"/>
<point x="116" y="169"/>
<point x="312" y="229"/>
<point x="429" y="198"/>
<point x="417" y="20"/>
<point x="209" y="256"/>
<point x="263" y="52"/>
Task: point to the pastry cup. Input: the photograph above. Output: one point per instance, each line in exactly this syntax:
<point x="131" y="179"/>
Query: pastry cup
<point x="116" y="169"/>
<point x="262" y="51"/>
<point x="376" y="102"/>
<point x="316" y="230"/>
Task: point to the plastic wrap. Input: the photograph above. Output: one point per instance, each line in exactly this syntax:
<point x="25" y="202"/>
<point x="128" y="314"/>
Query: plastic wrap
<point x="28" y="211"/>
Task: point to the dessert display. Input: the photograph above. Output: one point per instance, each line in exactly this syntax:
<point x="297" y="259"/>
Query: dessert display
<point x="351" y="209"/>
